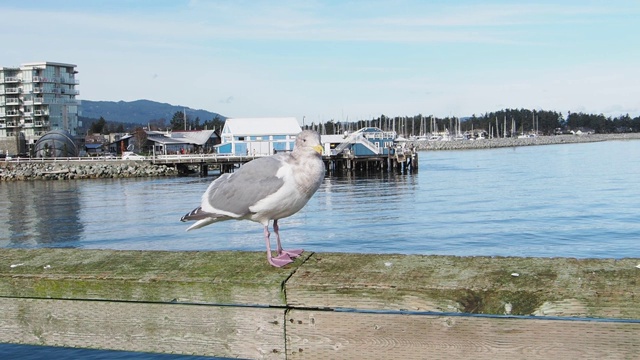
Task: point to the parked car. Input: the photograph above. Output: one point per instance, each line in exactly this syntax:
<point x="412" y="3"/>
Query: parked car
<point x="129" y="155"/>
<point x="108" y="156"/>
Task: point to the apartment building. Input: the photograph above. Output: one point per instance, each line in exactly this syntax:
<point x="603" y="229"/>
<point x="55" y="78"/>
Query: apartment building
<point x="36" y="98"/>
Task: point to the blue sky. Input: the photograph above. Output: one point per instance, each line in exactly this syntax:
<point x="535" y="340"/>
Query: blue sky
<point x="342" y="60"/>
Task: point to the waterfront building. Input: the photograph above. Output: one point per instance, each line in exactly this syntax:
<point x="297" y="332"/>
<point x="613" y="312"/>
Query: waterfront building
<point x="258" y="136"/>
<point x="36" y="98"/>
<point x="181" y="142"/>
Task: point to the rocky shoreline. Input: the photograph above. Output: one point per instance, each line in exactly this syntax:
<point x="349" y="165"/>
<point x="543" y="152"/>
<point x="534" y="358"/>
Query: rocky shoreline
<point x="513" y="142"/>
<point x="68" y="170"/>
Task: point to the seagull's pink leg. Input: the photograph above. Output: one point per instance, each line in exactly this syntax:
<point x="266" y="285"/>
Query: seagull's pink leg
<point x="282" y="259"/>
<point x="281" y="252"/>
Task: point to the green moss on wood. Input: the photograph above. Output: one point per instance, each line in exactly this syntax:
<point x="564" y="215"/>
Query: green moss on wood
<point x="482" y="285"/>
<point x="208" y="277"/>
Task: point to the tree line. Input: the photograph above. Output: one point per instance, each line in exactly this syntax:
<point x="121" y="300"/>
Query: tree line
<point x="497" y="124"/>
<point x="508" y="121"/>
<point x="179" y="121"/>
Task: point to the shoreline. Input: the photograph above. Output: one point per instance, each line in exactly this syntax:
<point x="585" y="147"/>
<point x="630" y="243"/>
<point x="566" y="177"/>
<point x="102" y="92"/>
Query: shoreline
<point x="515" y="142"/>
<point x="27" y="171"/>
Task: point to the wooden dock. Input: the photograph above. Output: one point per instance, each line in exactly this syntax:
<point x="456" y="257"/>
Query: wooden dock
<point x="333" y="306"/>
<point x="338" y="163"/>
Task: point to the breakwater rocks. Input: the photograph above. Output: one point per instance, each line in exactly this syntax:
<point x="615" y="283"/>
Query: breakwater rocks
<point x="10" y="171"/>
<point x="513" y="142"/>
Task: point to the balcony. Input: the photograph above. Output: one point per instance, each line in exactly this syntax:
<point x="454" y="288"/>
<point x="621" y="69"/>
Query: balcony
<point x="27" y="125"/>
<point x="38" y="100"/>
<point x="40" y="112"/>
<point x="40" y="79"/>
<point x="12" y="79"/>
<point x="12" y="91"/>
<point x="12" y="113"/>
<point x="69" y="81"/>
<point x="64" y="91"/>
<point x="12" y="101"/>
<point x="64" y="101"/>
<point x="37" y="90"/>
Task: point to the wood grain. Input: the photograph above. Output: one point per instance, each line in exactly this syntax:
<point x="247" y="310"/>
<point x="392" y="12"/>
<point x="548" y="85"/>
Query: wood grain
<point x="231" y="277"/>
<point x="605" y="288"/>
<point x="251" y="333"/>
<point x="340" y="335"/>
<point x="232" y="304"/>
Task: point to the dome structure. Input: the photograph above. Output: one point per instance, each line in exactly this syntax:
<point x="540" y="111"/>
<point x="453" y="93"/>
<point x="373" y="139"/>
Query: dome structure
<point x="56" y="143"/>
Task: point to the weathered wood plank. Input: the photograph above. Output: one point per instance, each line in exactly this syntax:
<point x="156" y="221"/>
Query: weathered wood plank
<point x="340" y="335"/>
<point x="171" y="302"/>
<point x="484" y="285"/>
<point x="196" y="277"/>
<point x="251" y="333"/>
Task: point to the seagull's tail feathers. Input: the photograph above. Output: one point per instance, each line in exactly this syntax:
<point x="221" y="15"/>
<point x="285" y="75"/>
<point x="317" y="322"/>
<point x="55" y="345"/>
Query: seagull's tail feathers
<point x="201" y="217"/>
<point x="201" y="223"/>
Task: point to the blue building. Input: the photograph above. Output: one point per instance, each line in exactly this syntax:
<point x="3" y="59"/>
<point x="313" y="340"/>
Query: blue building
<point x="258" y="136"/>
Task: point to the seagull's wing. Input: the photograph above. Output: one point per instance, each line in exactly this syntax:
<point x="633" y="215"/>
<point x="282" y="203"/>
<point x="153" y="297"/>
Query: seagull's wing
<point x="231" y="195"/>
<point x="236" y="193"/>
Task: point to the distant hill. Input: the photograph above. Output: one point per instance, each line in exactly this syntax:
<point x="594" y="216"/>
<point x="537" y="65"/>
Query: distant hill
<point x="139" y="111"/>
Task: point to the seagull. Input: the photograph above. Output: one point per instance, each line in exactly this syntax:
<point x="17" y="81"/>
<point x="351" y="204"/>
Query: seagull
<point x="265" y="189"/>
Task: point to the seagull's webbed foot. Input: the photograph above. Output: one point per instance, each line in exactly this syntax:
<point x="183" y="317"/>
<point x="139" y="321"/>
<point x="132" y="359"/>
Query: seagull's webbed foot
<point x="291" y="253"/>
<point x="282" y="252"/>
<point x="280" y="260"/>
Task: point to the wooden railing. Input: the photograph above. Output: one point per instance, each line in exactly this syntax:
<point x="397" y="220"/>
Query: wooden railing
<point x="333" y="306"/>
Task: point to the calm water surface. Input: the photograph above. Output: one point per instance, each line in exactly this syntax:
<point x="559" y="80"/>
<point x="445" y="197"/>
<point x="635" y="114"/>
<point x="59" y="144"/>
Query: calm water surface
<point x="574" y="200"/>
<point x="577" y="200"/>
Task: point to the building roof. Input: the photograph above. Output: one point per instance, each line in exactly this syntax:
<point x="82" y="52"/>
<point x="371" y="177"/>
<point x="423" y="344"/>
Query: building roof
<point x="262" y="126"/>
<point x="199" y="137"/>
<point x="333" y="138"/>
<point x="45" y="63"/>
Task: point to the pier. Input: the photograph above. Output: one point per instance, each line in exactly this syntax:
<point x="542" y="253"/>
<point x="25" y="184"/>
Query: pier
<point x="324" y="305"/>
<point x="401" y="161"/>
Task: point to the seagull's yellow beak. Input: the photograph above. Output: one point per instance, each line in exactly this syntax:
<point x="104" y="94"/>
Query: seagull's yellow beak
<point x="318" y="148"/>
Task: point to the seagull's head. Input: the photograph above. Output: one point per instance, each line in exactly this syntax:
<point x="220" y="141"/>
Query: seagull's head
<point x="309" y="139"/>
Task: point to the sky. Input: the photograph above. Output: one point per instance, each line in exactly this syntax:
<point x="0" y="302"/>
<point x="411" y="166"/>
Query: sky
<point x="342" y="60"/>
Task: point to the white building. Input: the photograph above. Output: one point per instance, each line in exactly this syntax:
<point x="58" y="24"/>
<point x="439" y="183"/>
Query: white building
<point x="36" y="98"/>
<point x="258" y="136"/>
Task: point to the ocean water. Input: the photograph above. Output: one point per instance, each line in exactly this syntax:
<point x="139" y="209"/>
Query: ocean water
<point x="570" y="200"/>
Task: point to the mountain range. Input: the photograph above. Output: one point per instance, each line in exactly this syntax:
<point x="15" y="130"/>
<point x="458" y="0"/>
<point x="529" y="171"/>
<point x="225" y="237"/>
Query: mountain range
<point x="139" y="111"/>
